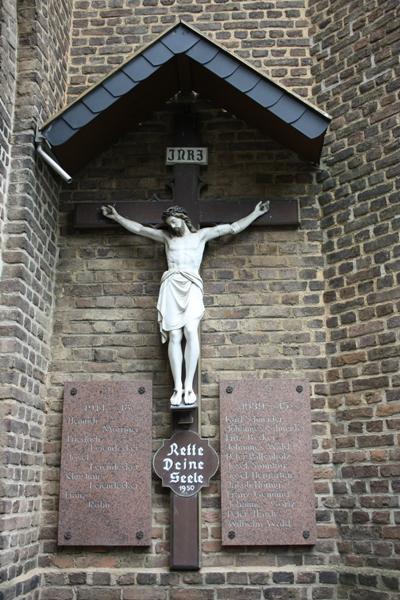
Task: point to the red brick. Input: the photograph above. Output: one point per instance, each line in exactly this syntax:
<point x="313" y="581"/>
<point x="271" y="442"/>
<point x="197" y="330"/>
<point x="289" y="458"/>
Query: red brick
<point x="237" y="593"/>
<point x="54" y="593"/>
<point x="96" y="593"/>
<point x="191" y="594"/>
<point x="144" y="593"/>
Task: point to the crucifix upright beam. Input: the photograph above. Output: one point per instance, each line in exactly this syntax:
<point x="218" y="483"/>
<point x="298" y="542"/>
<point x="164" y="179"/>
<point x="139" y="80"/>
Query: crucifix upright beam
<point x="185" y="511"/>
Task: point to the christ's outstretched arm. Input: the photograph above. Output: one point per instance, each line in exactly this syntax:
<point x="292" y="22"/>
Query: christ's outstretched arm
<point x="210" y="233"/>
<point x="132" y="226"/>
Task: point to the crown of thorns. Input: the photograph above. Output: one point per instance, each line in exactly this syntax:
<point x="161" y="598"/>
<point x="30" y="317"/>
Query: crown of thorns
<point x="178" y="211"/>
<point x="174" y="211"/>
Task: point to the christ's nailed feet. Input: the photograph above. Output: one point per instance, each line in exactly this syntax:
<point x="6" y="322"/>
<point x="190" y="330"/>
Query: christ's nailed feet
<point x="189" y="397"/>
<point x="176" y="397"/>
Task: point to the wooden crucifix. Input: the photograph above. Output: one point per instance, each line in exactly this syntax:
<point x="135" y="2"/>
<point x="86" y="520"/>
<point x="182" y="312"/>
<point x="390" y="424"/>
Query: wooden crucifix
<point x="180" y="309"/>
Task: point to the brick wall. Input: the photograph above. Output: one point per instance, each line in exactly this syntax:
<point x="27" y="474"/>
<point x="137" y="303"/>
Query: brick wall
<point x="29" y="251"/>
<point x="8" y="67"/>
<point x="258" y="584"/>
<point x="273" y="36"/>
<point x="356" y="54"/>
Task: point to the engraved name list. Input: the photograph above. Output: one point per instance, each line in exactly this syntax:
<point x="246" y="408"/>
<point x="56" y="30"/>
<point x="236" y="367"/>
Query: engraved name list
<point x="105" y="464"/>
<point x="266" y="465"/>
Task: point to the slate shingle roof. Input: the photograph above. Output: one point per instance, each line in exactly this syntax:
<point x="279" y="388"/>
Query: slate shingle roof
<point x="182" y="58"/>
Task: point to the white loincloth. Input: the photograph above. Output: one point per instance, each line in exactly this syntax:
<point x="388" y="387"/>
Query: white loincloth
<point x="180" y="300"/>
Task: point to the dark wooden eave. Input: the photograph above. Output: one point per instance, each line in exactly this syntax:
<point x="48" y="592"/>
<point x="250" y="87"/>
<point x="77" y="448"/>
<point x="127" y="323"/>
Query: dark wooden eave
<point x="181" y="59"/>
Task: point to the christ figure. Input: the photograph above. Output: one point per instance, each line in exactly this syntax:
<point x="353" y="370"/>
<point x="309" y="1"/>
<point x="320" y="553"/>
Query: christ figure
<point x="180" y="302"/>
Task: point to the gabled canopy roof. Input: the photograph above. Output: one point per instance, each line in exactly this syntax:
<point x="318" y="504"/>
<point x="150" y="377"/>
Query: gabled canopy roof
<point x="181" y="59"/>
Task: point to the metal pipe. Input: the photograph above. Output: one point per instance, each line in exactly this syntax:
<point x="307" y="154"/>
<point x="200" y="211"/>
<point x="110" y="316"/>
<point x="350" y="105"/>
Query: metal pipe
<point x="53" y="164"/>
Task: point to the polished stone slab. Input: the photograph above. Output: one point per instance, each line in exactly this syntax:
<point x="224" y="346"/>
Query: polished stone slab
<point x="105" y="476"/>
<point x="266" y="463"/>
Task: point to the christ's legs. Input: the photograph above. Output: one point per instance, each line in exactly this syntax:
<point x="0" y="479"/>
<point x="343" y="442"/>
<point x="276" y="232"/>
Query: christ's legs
<point x="192" y="352"/>
<point x="175" y="360"/>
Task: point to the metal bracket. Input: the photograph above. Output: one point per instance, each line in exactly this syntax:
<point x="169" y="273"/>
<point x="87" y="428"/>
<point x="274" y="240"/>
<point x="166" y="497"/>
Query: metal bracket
<point x="184" y="414"/>
<point x="46" y="156"/>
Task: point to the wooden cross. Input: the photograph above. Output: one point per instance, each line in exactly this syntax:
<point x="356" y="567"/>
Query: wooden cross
<point x="185" y="527"/>
<point x="185" y="511"/>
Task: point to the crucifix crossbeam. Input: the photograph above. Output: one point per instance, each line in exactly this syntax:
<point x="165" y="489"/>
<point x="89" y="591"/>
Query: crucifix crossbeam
<point x="203" y="212"/>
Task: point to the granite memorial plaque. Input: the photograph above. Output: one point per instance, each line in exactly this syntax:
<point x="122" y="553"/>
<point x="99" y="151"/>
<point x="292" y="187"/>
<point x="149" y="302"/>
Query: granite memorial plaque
<point x="105" y="477"/>
<point x="266" y="463"/>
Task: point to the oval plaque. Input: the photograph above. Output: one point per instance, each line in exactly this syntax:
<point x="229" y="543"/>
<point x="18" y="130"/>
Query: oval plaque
<point x="185" y="463"/>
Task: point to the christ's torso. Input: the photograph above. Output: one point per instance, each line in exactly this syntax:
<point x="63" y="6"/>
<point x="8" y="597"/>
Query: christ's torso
<point x="185" y="253"/>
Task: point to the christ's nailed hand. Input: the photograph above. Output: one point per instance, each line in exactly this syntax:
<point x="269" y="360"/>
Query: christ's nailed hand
<point x="109" y="211"/>
<point x="262" y="207"/>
